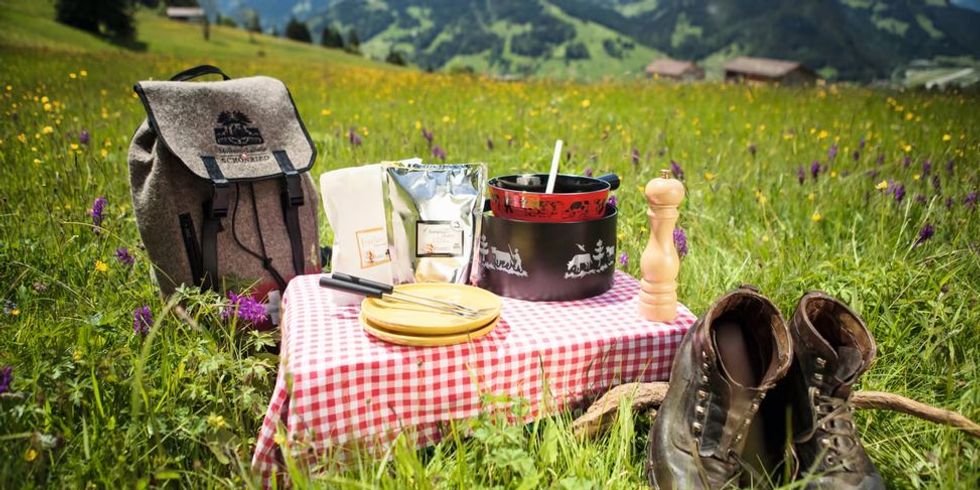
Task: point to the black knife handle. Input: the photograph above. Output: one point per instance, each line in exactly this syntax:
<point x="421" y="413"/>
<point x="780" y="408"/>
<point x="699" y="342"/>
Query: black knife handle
<point x="350" y="287"/>
<point x="385" y="288"/>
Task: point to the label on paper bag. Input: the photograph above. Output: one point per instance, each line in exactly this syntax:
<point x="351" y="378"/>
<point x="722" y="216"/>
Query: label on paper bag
<point x="438" y="239"/>
<point x="372" y="247"/>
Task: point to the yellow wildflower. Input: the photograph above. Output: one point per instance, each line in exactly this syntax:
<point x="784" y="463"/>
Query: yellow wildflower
<point x="74" y="146"/>
<point x="104" y="153"/>
<point x="709" y="176"/>
<point x="947" y="137"/>
<point x="44" y="100"/>
<point x="83" y="73"/>
<point x="15" y="311"/>
<point x="909" y="116"/>
<point x="586" y="103"/>
<point x="816" y="216"/>
<point x="833" y="173"/>
<point x="907" y="148"/>
<point x="823" y="134"/>
<point x="47" y="130"/>
<point x="37" y="162"/>
<point x="72" y="75"/>
<point x="9" y="88"/>
<point x="765" y="238"/>
<point x="445" y="119"/>
<point x="216" y="421"/>
<point x="101" y="266"/>
<point x="22" y="138"/>
<point x="811" y="196"/>
<point x="47" y="107"/>
<point x="30" y="454"/>
<point x="325" y="112"/>
<point x="916" y="177"/>
<point x="882" y="185"/>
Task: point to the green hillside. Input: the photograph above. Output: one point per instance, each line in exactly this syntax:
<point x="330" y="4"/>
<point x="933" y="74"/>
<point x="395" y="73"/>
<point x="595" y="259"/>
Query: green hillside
<point x="846" y="39"/>
<point x="31" y="24"/>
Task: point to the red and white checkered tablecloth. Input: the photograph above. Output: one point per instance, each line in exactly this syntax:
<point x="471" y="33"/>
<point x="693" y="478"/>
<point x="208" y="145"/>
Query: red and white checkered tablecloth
<point x="339" y="386"/>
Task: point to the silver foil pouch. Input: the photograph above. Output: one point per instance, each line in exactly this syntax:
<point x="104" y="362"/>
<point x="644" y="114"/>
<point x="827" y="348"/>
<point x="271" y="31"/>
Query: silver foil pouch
<point x="434" y="216"/>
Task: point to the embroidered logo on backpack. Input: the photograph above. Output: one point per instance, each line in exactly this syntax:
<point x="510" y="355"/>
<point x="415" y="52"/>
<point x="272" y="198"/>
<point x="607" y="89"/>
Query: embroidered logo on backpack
<point x="235" y="130"/>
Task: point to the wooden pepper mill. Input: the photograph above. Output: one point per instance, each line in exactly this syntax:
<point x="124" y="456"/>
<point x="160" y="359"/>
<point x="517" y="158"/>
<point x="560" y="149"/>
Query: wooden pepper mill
<point x="660" y="263"/>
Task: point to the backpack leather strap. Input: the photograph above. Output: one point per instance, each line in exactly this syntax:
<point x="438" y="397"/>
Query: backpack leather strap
<point x="292" y="199"/>
<point x="215" y="209"/>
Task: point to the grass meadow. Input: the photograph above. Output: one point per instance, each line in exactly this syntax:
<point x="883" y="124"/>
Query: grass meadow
<point x="869" y="195"/>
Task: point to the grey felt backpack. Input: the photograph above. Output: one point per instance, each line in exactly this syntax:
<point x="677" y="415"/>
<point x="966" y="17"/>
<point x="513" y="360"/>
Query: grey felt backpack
<point x="220" y="186"/>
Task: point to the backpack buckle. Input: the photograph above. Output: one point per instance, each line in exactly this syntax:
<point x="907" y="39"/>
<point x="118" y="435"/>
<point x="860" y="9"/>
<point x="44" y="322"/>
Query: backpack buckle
<point x="218" y="206"/>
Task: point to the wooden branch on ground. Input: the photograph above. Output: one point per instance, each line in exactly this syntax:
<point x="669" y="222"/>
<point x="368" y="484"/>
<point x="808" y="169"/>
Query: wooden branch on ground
<point x="646" y="396"/>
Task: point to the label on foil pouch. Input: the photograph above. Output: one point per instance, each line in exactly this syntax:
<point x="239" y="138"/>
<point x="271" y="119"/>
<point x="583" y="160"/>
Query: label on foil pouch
<point x="438" y="238"/>
<point x="372" y="247"/>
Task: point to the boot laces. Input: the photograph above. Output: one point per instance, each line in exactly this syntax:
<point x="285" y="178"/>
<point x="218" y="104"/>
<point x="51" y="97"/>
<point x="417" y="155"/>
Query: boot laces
<point x="838" y="437"/>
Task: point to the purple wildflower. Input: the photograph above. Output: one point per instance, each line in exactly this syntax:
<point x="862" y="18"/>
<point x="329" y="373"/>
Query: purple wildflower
<point x="906" y="162"/>
<point x="752" y="149"/>
<point x="438" y="152"/>
<point x="949" y="203"/>
<point x="924" y="234"/>
<point x="142" y="320"/>
<point x="123" y="256"/>
<point x="6" y="378"/>
<point x="354" y="138"/>
<point x="971" y="200"/>
<point x="936" y="184"/>
<point x="244" y="307"/>
<point x="489" y="143"/>
<point x="680" y="241"/>
<point x="84" y="137"/>
<point x="98" y="207"/>
<point x="926" y="167"/>
<point x="944" y="289"/>
<point x="815" y="169"/>
<point x="949" y="166"/>
<point x="861" y="143"/>
<point x="624" y="258"/>
<point x="832" y="152"/>
<point x="427" y="135"/>
<point x="801" y="174"/>
<point x="587" y="172"/>
<point x="676" y="170"/>
<point x="899" y="192"/>
<point x="635" y="156"/>
<point x="613" y="201"/>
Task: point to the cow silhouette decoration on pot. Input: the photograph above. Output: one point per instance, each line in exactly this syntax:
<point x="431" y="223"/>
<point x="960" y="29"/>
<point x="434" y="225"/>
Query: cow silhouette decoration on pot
<point x="542" y="261"/>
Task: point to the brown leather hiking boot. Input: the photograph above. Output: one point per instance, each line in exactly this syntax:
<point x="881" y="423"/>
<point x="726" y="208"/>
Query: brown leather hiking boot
<point x="832" y="347"/>
<point x="721" y="372"/>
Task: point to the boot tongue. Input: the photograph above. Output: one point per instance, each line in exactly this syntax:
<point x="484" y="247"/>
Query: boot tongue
<point x="848" y="365"/>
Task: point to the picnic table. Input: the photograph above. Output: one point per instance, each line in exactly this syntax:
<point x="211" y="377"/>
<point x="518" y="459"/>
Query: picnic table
<point x="338" y="386"/>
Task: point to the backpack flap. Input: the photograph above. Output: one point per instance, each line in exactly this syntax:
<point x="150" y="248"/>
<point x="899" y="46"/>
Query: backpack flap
<point x="240" y="123"/>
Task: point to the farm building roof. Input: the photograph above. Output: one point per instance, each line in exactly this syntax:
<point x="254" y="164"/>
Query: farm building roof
<point x="669" y="66"/>
<point x="767" y="67"/>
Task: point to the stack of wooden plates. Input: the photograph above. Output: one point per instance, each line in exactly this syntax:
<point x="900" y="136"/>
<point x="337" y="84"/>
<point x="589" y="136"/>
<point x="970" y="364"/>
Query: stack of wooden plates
<point x="409" y="324"/>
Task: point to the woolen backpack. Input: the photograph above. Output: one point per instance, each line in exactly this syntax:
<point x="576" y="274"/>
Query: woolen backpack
<point x="220" y="186"/>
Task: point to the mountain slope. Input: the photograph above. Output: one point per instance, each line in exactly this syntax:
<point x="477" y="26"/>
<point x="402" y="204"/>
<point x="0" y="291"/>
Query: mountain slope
<point x="847" y="39"/>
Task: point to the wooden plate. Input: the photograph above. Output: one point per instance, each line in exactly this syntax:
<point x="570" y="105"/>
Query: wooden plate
<point x="426" y="340"/>
<point x="410" y="319"/>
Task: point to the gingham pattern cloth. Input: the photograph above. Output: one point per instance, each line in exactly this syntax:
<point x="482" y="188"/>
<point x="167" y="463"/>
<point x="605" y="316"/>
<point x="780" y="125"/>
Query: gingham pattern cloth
<point x="339" y="386"/>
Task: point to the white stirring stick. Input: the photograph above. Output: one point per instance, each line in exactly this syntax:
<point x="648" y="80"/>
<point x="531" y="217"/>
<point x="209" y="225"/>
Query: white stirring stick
<point x="553" y="174"/>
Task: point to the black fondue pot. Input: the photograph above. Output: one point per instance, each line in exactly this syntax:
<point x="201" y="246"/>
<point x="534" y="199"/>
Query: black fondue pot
<point x="548" y="261"/>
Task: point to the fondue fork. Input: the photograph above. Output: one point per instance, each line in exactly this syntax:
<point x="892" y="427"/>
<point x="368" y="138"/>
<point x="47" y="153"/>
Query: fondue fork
<point x="342" y="283"/>
<point x="389" y="289"/>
